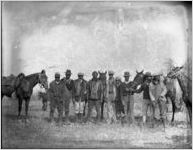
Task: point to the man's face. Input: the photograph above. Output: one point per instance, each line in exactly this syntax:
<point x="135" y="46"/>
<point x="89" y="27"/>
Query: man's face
<point x="118" y="82"/>
<point x="110" y="76"/>
<point x="94" y="75"/>
<point x="57" y="79"/>
<point x="68" y="76"/>
<point x="80" y="77"/>
<point x="126" y="78"/>
<point x="155" y="82"/>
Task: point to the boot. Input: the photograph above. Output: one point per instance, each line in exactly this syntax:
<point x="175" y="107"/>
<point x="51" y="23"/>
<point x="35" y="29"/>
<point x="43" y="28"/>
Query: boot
<point x="51" y="117"/>
<point x="81" y="118"/>
<point x="67" y="122"/>
<point x="76" y="118"/>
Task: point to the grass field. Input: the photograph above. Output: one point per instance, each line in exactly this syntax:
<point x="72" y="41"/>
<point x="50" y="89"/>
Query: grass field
<point x="39" y="133"/>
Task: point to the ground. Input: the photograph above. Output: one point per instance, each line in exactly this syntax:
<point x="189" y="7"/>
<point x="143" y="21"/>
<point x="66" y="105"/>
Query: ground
<point x="39" y="133"/>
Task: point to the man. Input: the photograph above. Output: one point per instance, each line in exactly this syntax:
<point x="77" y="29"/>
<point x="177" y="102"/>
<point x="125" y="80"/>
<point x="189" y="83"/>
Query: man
<point x="68" y="93"/>
<point x="127" y="98"/>
<point x="118" y="103"/>
<point x="94" y="95"/>
<point x="157" y="92"/>
<point x="146" y="97"/>
<point x="56" y="98"/>
<point x="80" y="96"/>
<point x="110" y="98"/>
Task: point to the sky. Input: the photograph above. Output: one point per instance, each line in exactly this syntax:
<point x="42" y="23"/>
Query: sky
<point x="88" y="36"/>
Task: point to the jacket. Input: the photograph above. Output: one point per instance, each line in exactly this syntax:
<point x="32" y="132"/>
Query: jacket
<point x="94" y="89"/>
<point x="125" y="89"/>
<point x="80" y="90"/>
<point x="56" y="90"/>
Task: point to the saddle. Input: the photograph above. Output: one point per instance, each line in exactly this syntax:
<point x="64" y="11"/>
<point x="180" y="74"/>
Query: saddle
<point x="8" y="81"/>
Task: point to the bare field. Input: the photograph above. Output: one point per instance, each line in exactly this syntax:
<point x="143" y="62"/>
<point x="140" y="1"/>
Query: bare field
<point x="39" y="133"/>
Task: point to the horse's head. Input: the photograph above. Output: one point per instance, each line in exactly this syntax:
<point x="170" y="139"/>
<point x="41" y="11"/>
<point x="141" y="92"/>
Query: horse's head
<point x="102" y="75"/>
<point x="174" y="72"/>
<point x="43" y="80"/>
<point x="138" y="79"/>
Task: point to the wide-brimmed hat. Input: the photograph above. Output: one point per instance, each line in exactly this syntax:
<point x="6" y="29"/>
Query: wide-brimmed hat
<point x="68" y="71"/>
<point x="126" y="74"/>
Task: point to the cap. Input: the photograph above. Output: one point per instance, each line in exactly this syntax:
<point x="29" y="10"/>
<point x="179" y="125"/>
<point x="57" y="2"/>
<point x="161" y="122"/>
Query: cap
<point x="126" y="74"/>
<point x="68" y="71"/>
<point x="111" y="72"/>
<point x="57" y="75"/>
<point x="118" y="78"/>
<point x="148" y="74"/>
<point x="80" y="74"/>
<point x="94" y="72"/>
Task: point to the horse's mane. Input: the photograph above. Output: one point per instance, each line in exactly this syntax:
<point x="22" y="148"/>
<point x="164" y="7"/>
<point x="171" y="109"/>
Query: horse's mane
<point x="29" y="76"/>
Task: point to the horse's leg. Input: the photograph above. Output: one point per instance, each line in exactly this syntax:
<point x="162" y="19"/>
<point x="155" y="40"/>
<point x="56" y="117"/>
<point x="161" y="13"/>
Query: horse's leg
<point x="26" y="107"/>
<point x="173" y="108"/>
<point x="20" y="100"/>
<point x="189" y="108"/>
<point x="102" y="109"/>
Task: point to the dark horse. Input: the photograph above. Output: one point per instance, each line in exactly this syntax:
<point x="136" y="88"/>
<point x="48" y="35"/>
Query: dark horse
<point x="24" y="89"/>
<point x="183" y="81"/>
<point x="8" y="84"/>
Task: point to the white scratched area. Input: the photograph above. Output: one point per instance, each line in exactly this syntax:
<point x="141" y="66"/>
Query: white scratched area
<point x="86" y="36"/>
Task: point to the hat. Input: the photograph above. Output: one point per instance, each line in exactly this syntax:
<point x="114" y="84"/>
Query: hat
<point x="118" y="78"/>
<point x="94" y="72"/>
<point x="148" y="74"/>
<point x="80" y="74"/>
<point x="111" y="72"/>
<point x="156" y="78"/>
<point x="57" y="75"/>
<point x="68" y="71"/>
<point x="126" y="74"/>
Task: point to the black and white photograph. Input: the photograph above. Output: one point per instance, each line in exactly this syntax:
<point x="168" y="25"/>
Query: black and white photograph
<point x="96" y="75"/>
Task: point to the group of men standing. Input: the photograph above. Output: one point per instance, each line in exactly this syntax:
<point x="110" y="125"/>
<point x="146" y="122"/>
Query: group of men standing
<point x="117" y="98"/>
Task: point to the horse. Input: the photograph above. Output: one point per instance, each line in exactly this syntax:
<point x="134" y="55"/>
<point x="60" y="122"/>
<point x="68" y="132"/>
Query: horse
<point x="9" y="84"/>
<point x="186" y="88"/>
<point x="103" y="79"/>
<point x="171" y="94"/>
<point x="24" y="89"/>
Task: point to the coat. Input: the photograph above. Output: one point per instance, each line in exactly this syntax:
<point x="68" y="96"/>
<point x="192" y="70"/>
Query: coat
<point x="80" y="90"/>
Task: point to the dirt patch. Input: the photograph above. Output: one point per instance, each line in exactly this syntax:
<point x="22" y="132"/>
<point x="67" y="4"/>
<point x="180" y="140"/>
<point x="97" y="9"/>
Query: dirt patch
<point x="39" y="133"/>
